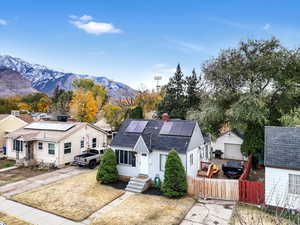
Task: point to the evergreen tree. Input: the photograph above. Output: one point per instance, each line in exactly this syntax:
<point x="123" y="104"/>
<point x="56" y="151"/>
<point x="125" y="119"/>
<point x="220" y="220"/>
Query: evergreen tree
<point x="174" y="102"/>
<point x="175" y="184"/>
<point x="136" y="113"/>
<point x="253" y="140"/>
<point x="192" y="90"/>
<point x="107" y="171"/>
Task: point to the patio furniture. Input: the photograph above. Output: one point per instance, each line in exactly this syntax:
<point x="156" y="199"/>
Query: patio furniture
<point x="208" y="170"/>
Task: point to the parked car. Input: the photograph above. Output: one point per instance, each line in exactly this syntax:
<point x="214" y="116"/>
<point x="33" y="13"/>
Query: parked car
<point x="90" y="159"/>
<point x="233" y="169"/>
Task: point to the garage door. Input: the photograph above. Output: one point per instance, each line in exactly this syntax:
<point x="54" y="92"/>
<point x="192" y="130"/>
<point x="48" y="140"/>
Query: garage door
<point x="233" y="151"/>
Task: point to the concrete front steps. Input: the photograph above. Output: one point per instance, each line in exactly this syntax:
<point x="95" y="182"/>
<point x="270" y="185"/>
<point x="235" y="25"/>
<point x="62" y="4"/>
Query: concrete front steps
<point x="138" y="184"/>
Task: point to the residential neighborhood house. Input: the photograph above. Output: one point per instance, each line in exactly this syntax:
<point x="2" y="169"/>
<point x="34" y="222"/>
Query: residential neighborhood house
<point x="53" y="143"/>
<point x="8" y="123"/>
<point x="229" y="144"/>
<point x="141" y="146"/>
<point x="282" y="167"/>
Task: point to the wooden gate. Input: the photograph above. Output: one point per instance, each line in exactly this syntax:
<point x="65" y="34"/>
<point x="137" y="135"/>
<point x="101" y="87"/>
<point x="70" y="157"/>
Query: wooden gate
<point x="251" y="192"/>
<point x="214" y="188"/>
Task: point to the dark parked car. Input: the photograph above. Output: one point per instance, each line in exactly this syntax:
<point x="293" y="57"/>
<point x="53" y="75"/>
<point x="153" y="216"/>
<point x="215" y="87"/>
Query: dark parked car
<point x="233" y="169"/>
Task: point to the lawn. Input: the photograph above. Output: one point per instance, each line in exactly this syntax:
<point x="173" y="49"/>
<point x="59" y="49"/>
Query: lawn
<point x="251" y="215"/>
<point x="4" y="163"/>
<point x="20" y="173"/>
<point x="11" y="220"/>
<point x="147" y="210"/>
<point x="75" y="198"/>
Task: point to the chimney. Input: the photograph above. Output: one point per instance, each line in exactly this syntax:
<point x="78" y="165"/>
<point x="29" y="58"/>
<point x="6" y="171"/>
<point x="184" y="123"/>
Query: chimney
<point x="165" y="117"/>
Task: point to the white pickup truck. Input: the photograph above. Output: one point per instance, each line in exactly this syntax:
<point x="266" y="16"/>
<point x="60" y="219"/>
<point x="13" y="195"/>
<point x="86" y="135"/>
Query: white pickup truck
<point x="90" y="159"/>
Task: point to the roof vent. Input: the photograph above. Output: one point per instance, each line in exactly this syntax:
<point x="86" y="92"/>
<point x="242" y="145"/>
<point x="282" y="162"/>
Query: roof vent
<point x="165" y="117"/>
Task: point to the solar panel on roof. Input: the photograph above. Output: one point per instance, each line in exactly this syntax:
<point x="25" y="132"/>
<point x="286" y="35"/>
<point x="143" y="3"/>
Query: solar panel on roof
<point x="50" y="126"/>
<point x="136" y="126"/>
<point x="177" y="129"/>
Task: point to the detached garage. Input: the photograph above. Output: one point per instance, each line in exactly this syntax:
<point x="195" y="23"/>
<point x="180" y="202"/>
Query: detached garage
<point x="230" y="144"/>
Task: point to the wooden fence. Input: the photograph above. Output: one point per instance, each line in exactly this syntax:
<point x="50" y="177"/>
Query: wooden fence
<point x="250" y="191"/>
<point x="214" y="188"/>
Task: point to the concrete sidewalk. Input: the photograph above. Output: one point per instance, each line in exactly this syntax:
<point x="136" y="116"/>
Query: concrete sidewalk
<point x="209" y="212"/>
<point x="28" y="184"/>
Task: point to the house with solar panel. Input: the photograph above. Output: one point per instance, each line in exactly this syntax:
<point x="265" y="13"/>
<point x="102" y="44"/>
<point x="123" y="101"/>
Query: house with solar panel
<point x="54" y="143"/>
<point x="141" y="147"/>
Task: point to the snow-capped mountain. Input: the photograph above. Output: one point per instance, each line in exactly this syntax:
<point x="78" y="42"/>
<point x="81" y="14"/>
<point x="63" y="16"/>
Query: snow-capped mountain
<point x="44" y="79"/>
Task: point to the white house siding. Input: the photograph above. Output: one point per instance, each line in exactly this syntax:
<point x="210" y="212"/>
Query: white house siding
<point x="127" y="170"/>
<point x="228" y="138"/>
<point x="87" y="133"/>
<point x="43" y="155"/>
<point x="11" y="154"/>
<point x="196" y="139"/>
<point x="276" y="188"/>
<point x="154" y="163"/>
<point x="192" y="167"/>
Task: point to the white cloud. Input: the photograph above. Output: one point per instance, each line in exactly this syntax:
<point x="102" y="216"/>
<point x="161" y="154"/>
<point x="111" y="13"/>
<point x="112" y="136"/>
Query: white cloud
<point x="85" y="23"/>
<point x="73" y="17"/>
<point x="229" y="23"/>
<point x="3" y="22"/>
<point x="267" y="26"/>
<point x="86" y="18"/>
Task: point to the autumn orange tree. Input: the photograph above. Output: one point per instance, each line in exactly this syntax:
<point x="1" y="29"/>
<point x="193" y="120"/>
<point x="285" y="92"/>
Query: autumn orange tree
<point x="114" y="114"/>
<point x="83" y="106"/>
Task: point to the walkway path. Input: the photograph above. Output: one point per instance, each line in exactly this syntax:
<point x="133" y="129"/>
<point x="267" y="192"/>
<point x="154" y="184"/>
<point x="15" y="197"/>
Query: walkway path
<point x="209" y="212"/>
<point x="11" y="189"/>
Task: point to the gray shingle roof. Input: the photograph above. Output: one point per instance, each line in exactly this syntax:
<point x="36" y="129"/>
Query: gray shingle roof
<point x="282" y="147"/>
<point x="152" y="138"/>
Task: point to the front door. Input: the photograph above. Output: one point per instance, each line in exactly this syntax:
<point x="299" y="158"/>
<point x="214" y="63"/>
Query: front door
<point x="144" y="164"/>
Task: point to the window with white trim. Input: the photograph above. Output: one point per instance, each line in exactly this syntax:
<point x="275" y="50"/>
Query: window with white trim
<point x="126" y="157"/>
<point x="67" y="147"/>
<point x="191" y="159"/>
<point x="162" y="162"/>
<point x="17" y="145"/>
<point x="294" y="184"/>
<point x="40" y="145"/>
<point x="51" y="149"/>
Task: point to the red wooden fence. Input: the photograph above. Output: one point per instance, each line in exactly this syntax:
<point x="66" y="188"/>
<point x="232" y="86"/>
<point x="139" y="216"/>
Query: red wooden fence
<point x="250" y="191"/>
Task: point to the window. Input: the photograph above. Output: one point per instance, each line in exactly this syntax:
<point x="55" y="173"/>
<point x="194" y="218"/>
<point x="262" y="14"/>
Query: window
<point x="191" y="159"/>
<point x="51" y="149"/>
<point x="82" y="143"/>
<point x="94" y="142"/>
<point x="67" y="147"/>
<point x="294" y="184"/>
<point x="126" y="157"/>
<point x="18" y="145"/>
<point x="40" y="145"/>
<point x="163" y="159"/>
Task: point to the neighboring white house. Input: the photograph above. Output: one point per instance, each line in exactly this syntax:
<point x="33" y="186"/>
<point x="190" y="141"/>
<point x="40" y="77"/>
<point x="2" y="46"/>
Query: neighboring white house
<point x="282" y="167"/>
<point x="142" y="146"/>
<point x="230" y="144"/>
<point x="53" y="142"/>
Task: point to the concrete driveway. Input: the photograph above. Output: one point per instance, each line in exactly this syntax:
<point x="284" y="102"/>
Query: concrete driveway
<point x="209" y="212"/>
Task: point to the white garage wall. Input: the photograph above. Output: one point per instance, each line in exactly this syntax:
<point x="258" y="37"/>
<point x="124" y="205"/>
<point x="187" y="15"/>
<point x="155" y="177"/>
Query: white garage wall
<point x="230" y="138"/>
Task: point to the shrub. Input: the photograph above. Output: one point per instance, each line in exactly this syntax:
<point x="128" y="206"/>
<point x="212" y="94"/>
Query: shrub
<point x="107" y="171"/>
<point x="175" y="184"/>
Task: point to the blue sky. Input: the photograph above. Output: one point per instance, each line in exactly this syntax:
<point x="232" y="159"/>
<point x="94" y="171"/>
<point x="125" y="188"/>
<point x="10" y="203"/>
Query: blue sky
<point x="131" y="41"/>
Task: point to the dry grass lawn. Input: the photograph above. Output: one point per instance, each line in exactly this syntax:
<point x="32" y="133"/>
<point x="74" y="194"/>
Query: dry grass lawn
<point x="143" y="209"/>
<point x="251" y="215"/>
<point x="10" y="220"/>
<point x="75" y="198"/>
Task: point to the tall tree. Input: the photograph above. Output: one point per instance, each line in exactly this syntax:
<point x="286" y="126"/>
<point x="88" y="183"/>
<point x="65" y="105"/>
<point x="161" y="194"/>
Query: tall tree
<point x="173" y="101"/>
<point x="83" y="106"/>
<point x="114" y="115"/>
<point x="61" y="100"/>
<point x="193" y="90"/>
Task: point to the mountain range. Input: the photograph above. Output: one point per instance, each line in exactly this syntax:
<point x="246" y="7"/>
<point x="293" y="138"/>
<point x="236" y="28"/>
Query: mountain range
<point x="18" y="77"/>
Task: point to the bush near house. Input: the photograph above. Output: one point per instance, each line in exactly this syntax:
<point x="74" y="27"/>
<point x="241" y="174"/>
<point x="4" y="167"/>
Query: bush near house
<point x="175" y="184"/>
<point x="107" y="171"/>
